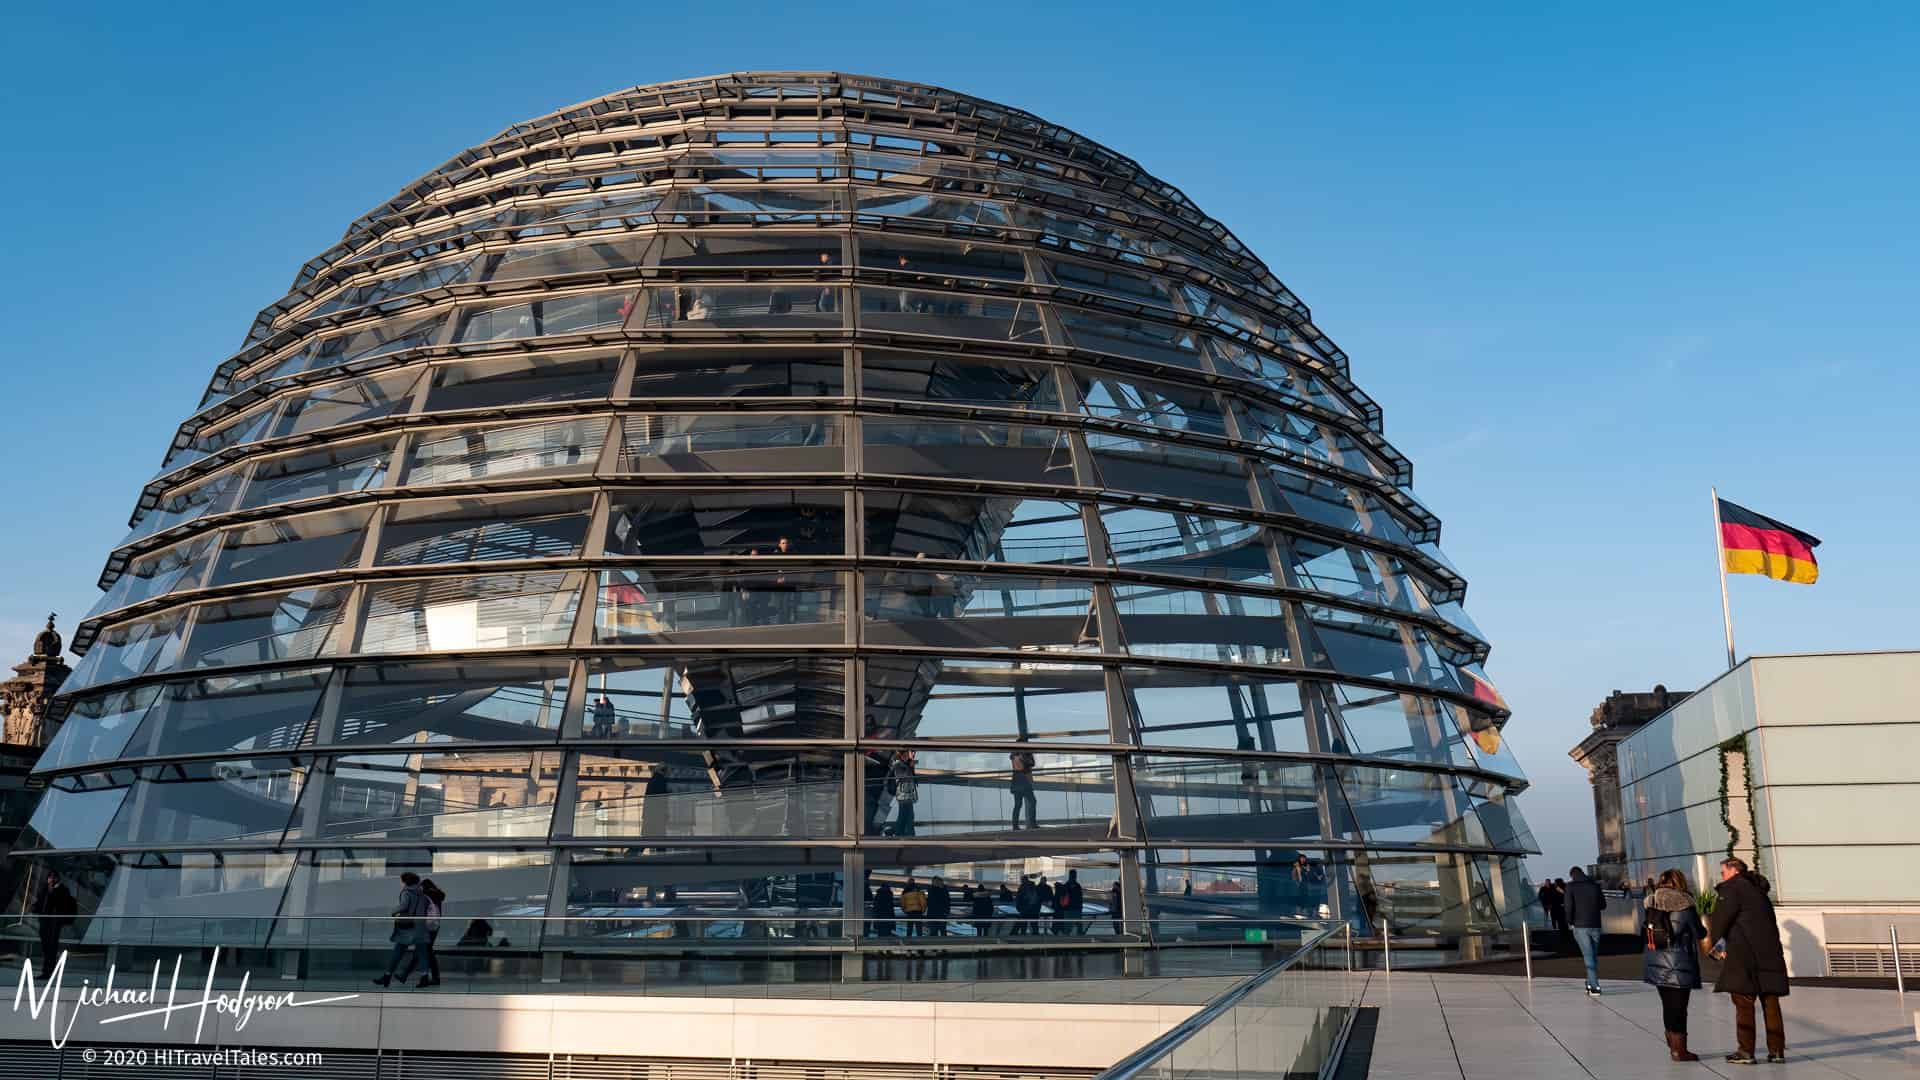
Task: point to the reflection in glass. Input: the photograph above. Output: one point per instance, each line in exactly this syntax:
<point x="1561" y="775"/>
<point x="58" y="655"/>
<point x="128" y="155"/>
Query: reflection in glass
<point x="453" y="701"/>
<point x="1187" y="623"/>
<point x="733" y="307"/>
<point x="285" y="546"/>
<point x="547" y="448"/>
<point x="297" y="625"/>
<point x="724" y="373"/>
<point x="496" y="382"/>
<point x="910" y="697"/>
<point x="954" y="380"/>
<point x="638" y="605"/>
<point x="441" y="794"/>
<point x="254" y="711"/>
<point x="955" y="315"/>
<point x="736" y="523"/>
<point x="646" y="794"/>
<point x="498" y="611"/>
<point x="203" y="801"/>
<point x="1005" y="452"/>
<point x="330" y="470"/>
<point x="916" y="524"/>
<point x="980" y="611"/>
<point x="715" y="697"/>
<point x="484" y="529"/>
<point x="1186" y="544"/>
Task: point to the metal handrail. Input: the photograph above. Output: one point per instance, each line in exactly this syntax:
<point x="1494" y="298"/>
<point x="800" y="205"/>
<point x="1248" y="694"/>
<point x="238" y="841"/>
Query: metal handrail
<point x="1137" y="1062"/>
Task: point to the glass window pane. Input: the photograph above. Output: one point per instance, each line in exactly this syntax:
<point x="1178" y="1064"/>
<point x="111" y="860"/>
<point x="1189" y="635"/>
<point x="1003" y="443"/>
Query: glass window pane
<point x="453" y="701"/>
<point x="124" y="650"/>
<point x="594" y="254"/>
<point x="522" y="380"/>
<point x="1216" y="710"/>
<point x="733" y="523"/>
<point x="733" y="250"/>
<point x="641" y="794"/>
<point x="546" y="448"/>
<point x="611" y="892"/>
<point x="76" y="811"/>
<point x="1213" y="800"/>
<point x="169" y="570"/>
<point x="655" y="697"/>
<point x="1382" y="723"/>
<point x="643" y="606"/>
<point x="939" y="262"/>
<point x="1002" y="452"/>
<point x="329" y="470"/>
<point x="202" y="801"/>
<point x="97" y="728"/>
<point x="248" y="426"/>
<point x="351" y="402"/>
<point x="441" y="794"/>
<point x="198" y="885"/>
<point x="732" y="443"/>
<point x="730" y="205"/>
<point x="1318" y="440"/>
<point x="1151" y="467"/>
<point x="498" y="611"/>
<point x="1194" y="625"/>
<point x="362" y="882"/>
<point x="988" y="794"/>
<point x="362" y="343"/>
<point x="297" y="625"/>
<point x="1110" y="281"/>
<point x="200" y="498"/>
<point x="1143" y="401"/>
<point x="1339" y="506"/>
<point x="1141" y="339"/>
<point x="707" y="372"/>
<point x="484" y="530"/>
<point x="1360" y="644"/>
<point x="413" y="279"/>
<point x="574" y="314"/>
<point x="255" y="711"/>
<point x="914" y="524"/>
<point x="281" y="547"/>
<point x="980" y="611"/>
<point x="953" y="315"/>
<point x="796" y="306"/>
<point x="1190" y="545"/>
<point x="911" y="697"/>
<point x="953" y="380"/>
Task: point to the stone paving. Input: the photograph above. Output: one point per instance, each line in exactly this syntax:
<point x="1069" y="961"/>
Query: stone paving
<point x="1486" y="1027"/>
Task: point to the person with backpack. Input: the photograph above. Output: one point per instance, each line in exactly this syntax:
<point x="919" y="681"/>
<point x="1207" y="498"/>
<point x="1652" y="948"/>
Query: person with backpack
<point x="1585" y="902"/>
<point x="407" y="932"/>
<point x="1020" y="782"/>
<point x="913" y="905"/>
<point x="906" y="791"/>
<point x="1673" y="937"/>
<point x="436" y="903"/>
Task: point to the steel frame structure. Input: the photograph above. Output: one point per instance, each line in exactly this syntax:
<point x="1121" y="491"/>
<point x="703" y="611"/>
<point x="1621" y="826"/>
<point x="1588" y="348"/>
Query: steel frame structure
<point x="1050" y="435"/>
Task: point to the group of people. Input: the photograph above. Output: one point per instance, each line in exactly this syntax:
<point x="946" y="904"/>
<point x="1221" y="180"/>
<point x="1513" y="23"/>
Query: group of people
<point x="416" y="925"/>
<point x="1742" y="933"/>
<point x="1037" y="908"/>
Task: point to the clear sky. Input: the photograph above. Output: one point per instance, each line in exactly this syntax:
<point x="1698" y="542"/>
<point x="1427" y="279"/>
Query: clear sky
<point x="1590" y="260"/>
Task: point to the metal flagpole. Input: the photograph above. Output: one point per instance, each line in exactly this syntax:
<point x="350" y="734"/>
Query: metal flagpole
<point x="1720" y="559"/>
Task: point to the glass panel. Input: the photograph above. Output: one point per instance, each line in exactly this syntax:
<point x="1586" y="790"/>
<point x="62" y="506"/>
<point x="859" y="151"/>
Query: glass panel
<point x="281" y="547"/>
<point x="979" y="611"/>
<point x="618" y="210"/>
<point x="453" y="701"/>
<point x="202" y="498"/>
<point x="576" y="314"/>
<point x="952" y="315"/>
<point x="1485" y="739"/>
<point x="1291" y="379"/>
<point x="947" y="449"/>
<point x="413" y="279"/>
<point x="199" y="801"/>
<point x="1407" y="807"/>
<point x="441" y="794"/>
<point x="1215" y="710"/>
<point x="875" y="204"/>
<point x="715" y="373"/>
<point x="1210" y="800"/>
<point x="329" y="470"/>
<point x="249" y="426"/>
<point x="169" y="570"/>
<point x="987" y="794"/>
<point x="1142" y="401"/>
<point x="363" y="881"/>
<point x="349" y="402"/>
<point x="1318" y="440"/>
<point x="1381" y="723"/>
<point x="658" y="793"/>
<point x="1338" y="506"/>
<point x="977" y="528"/>
<point x="613" y="891"/>
<point x="1109" y="281"/>
<point x="952" y="380"/>
<point x="593" y="255"/>
<point x="522" y="380"/>
<point x="743" y="307"/>
<point x="652" y="697"/>
<point x="500" y="611"/>
<point x="1357" y="644"/>
<point x="359" y="344"/>
<point x="127" y="649"/>
<point x="653" y="606"/>
<point x="732" y="443"/>
<point x="988" y="897"/>
<point x="732" y="523"/>
<point x="1126" y="463"/>
<point x="733" y="250"/>
<point x="1356" y="574"/>
<point x="910" y="697"/>
<point x="97" y="728"/>
<point x="729" y="205"/>
<point x="256" y="711"/>
<point x="295" y="625"/>
<point x="1141" y="339"/>
<point x="76" y="810"/>
<point x="938" y="262"/>
<point x="196" y="884"/>
<point x="484" y="529"/>
<point x="547" y="448"/>
<point x="1193" y="625"/>
<point x="1190" y="545"/>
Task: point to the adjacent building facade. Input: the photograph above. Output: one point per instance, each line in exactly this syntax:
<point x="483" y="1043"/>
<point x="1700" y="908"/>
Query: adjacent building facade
<point x="1803" y="766"/>
<point x="1620" y="715"/>
<point x="729" y="495"/>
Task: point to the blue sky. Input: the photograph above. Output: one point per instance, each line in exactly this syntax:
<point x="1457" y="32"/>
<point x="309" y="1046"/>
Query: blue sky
<point x="1590" y="261"/>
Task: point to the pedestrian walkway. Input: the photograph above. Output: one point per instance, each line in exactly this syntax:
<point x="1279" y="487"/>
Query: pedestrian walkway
<point x="1489" y="1027"/>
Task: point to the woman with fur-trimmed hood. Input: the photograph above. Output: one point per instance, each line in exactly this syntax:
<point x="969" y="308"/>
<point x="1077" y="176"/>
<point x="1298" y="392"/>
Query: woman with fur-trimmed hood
<point x="1673" y="937"/>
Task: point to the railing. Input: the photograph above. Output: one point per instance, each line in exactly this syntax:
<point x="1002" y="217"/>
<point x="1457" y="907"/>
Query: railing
<point x="1289" y="1020"/>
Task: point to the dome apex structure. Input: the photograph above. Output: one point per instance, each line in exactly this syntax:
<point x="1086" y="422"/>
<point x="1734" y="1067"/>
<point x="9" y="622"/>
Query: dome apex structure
<point x="731" y="494"/>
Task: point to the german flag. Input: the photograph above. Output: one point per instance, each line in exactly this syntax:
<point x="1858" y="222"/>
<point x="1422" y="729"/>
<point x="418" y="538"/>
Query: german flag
<point x="1753" y="543"/>
<point x="1482" y="689"/>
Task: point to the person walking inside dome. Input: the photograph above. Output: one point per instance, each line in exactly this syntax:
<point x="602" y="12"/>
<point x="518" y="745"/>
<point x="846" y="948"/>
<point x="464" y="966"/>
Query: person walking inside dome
<point x="1754" y="966"/>
<point x="1585" y="902"/>
<point x="407" y="933"/>
<point x="1020" y="782"/>
<point x="906" y="791"/>
<point x="1673" y="938"/>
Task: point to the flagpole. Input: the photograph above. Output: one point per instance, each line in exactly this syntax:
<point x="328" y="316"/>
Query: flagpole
<point x="1720" y="560"/>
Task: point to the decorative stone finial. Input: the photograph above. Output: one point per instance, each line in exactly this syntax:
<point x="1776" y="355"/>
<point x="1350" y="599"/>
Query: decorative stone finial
<point x="48" y="642"/>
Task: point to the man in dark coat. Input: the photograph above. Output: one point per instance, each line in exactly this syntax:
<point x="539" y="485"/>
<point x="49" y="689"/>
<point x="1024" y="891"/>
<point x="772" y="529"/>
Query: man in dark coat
<point x="1754" y="965"/>
<point x="1585" y="902"/>
<point x="56" y="909"/>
